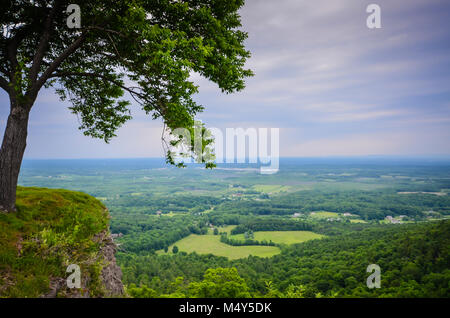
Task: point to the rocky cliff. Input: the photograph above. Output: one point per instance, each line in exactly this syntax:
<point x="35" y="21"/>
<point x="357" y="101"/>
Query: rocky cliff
<point x="52" y="232"/>
<point x="111" y="275"/>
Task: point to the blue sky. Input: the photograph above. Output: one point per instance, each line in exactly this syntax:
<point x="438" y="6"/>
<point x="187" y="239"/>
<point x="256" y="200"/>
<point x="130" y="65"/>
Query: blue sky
<point x="332" y="86"/>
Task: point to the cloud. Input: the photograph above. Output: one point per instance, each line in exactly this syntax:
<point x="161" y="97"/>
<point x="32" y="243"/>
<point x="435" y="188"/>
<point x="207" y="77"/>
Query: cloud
<point x="320" y="74"/>
<point x="366" y="144"/>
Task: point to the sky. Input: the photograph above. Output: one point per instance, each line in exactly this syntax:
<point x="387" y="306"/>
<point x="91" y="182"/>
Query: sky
<point x="331" y="85"/>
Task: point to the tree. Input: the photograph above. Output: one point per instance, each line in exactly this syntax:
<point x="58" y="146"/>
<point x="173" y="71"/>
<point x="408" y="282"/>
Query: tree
<point x="220" y="283"/>
<point x="141" y="292"/>
<point x="120" y="51"/>
<point x="175" y="249"/>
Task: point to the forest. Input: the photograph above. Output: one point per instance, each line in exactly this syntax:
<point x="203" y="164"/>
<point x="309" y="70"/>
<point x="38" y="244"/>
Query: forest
<point x="414" y="262"/>
<point x="310" y="230"/>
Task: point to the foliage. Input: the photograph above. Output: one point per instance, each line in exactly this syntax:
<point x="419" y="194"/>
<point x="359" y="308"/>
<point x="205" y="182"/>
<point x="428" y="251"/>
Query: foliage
<point x="413" y="256"/>
<point x="368" y="205"/>
<point x="247" y="241"/>
<point x="216" y="283"/>
<point x="147" y="234"/>
<point x="51" y="230"/>
<point x="271" y="224"/>
<point x="147" y="49"/>
<point x="220" y="283"/>
<point x="212" y="244"/>
<point x="414" y="262"/>
<point x="281" y="237"/>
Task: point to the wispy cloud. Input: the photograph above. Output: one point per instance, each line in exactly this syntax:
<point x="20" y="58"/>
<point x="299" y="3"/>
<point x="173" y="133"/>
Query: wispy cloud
<point x="321" y="75"/>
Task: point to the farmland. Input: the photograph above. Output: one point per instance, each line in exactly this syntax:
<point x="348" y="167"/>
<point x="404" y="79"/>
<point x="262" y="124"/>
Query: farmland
<point x="282" y="237"/>
<point x="346" y="203"/>
<point x="210" y="244"/>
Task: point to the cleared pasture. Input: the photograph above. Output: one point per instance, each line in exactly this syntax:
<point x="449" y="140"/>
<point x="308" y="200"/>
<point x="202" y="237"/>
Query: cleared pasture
<point x="210" y="244"/>
<point x="282" y="237"/>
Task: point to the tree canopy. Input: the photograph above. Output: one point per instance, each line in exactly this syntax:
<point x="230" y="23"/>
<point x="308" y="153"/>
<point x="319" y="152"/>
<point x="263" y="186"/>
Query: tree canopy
<point x="117" y="52"/>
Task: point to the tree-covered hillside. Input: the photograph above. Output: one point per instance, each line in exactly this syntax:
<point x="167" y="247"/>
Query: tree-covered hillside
<point x="414" y="261"/>
<point x="373" y="213"/>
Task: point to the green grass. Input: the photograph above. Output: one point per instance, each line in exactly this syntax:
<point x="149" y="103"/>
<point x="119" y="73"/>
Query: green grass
<point x="282" y="237"/>
<point x="226" y="228"/>
<point x="171" y="214"/>
<point x="271" y="188"/>
<point x="210" y="244"/>
<point x="323" y="215"/>
<point x="357" y="221"/>
<point x="50" y="230"/>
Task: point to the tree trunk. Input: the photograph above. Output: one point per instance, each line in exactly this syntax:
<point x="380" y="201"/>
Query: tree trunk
<point x="11" y="154"/>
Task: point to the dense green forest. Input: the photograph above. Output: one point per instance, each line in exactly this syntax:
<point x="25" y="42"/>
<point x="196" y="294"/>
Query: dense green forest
<point x="368" y="205"/>
<point x="414" y="261"/>
<point x="146" y="234"/>
<point x="310" y="230"/>
<point x="271" y="224"/>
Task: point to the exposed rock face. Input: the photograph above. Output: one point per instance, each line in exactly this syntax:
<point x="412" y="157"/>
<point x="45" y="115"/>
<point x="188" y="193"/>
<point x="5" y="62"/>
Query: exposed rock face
<point x="57" y="285"/>
<point x="111" y="275"/>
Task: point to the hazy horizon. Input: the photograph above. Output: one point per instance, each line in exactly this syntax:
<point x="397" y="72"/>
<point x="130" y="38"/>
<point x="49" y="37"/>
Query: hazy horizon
<point x="331" y="85"/>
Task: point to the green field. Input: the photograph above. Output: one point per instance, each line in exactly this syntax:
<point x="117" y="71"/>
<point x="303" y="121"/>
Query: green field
<point x="210" y="244"/>
<point x="271" y="188"/>
<point x="282" y="237"/>
<point x="323" y="215"/>
<point x="357" y="221"/>
<point x="226" y="228"/>
<point x="171" y="214"/>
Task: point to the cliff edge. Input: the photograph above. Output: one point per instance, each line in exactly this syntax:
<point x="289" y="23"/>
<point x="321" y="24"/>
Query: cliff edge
<point x="57" y="244"/>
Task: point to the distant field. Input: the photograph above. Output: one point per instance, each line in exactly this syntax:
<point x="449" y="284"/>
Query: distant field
<point x="210" y="244"/>
<point x="282" y="237"/>
<point x="357" y="221"/>
<point x="221" y="229"/>
<point x="422" y="192"/>
<point x="226" y="228"/>
<point x="171" y="214"/>
<point x="271" y="188"/>
<point x="323" y="215"/>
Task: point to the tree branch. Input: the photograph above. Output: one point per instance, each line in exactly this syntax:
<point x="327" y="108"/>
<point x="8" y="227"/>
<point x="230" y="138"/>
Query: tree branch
<point x="11" y="53"/>
<point x="104" y="77"/>
<point x="13" y="44"/>
<point x="12" y="56"/>
<point x="56" y="63"/>
<point x="40" y="51"/>
<point x="96" y="27"/>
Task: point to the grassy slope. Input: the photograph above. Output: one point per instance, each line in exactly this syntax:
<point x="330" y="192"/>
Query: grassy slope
<point x="357" y="221"/>
<point x="223" y="229"/>
<point x="50" y="230"/>
<point x="324" y="215"/>
<point x="271" y="188"/>
<point x="281" y="237"/>
<point x="210" y="244"/>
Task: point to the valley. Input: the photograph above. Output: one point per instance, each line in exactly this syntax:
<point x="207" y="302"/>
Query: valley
<point x="310" y="230"/>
